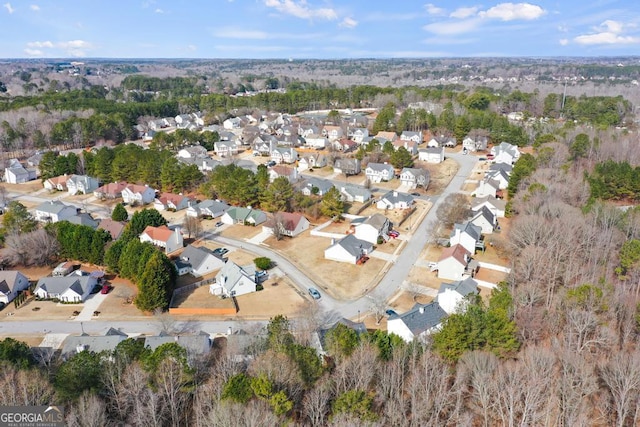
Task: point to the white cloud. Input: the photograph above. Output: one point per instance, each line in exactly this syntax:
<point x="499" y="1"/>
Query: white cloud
<point x="464" y="12"/>
<point x="34" y="7"/>
<point x="301" y="9"/>
<point x="433" y="9"/>
<point x="348" y="23"/>
<point x="9" y="8"/>
<point x="609" y="32"/>
<point x="192" y="48"/>
<point x="74" y="44"/>
<point x="238" y="33"/>
<point x="160" y="11"/>
<point x="563" y="42"/>
<point x="40" y="44"/>
<point x="563" y="28"/>
<point x="453" y="27"/>
<point x="513" y="11"/>
<point x="70" y="48"/>
<point x="33" y="52"/>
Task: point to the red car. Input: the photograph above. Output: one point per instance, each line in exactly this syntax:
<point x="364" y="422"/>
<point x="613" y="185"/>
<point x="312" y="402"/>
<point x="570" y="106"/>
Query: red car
<point x="394" y="234"/>
<point x="105" y="289"/>
<point x="362" y="260"/>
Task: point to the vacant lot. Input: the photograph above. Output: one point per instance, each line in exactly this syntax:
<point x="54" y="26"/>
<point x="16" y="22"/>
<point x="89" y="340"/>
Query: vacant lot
<point x="440" y="174"/>
<point x="340" y="279"/>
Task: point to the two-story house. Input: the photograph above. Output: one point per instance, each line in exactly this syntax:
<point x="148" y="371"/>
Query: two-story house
<point x="379" y="172"/>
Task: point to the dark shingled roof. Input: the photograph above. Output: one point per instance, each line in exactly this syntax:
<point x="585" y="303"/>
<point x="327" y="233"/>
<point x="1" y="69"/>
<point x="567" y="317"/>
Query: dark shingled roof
<point x="423" y="317"/>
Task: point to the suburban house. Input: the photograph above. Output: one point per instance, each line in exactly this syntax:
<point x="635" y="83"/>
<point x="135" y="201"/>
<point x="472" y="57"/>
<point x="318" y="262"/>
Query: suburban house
<point x="316" y="186"/>
<point x="171" y="201"/>
<point x="358" y="134"/>
<point x="379" y="172"/>
<point x="232" y="123"/>
<point x="419" y="322"/>
<point x="83" y="218"/>
<point x="485" y="219"/>
<point x="505" y="153"/>
<point x="319" y="341"/>
<point x="316" y="141"/>
<point x="11" y="283"/>
<point x="53" y="211"/>
<point x="82" y="184"/>
<point x="225" y="148"/>
<point x="246" y="216"/>
<point x="163" y="237"/>
<point x="455" y="263"/>
<point x="289" y="224"/>
<point x="345" y="145"/>
<point x="233" y="280"/>
<point x="333" y="132"/>
<point x="198" y="261"/>
<point x="289" y="172"/>
<point x="66" y="288"/>
<point x="414" y="177"/>
<point x="18" y="174"/>
<point x="58" y="183"/>
<point x="496" y="206"/>
<point x="395" y="200"/>
<point x="442" y="141"/>
<point x="192" y="152"/>
<point x="305" y="131"/>
<point x="112" y="227"/>
<point x="500" y="176"/>
<point x="409" y="145"/>
<point x="371" y="228"/>
<point x="349" y="249"/>
<point x="347" y="166"/>
<point x="138" y="194"/>
<point x="468" y="235"/>
<point x="94" y="343"/>
<point x="311" y="161"/>
<point x="354" y="193"/>
<point x="263" y="148"/>
<point x="207" y="209"/>
<point x="112" y="190"/>
<point x="195" y="345"/>
<point x="478" y="143"/>
<point x="431" y="154"/>
<point x="504" y="167"/>
<point x="452" y="297"/>
<point x="416" y="137"/>
<point x="384" y="136"/>
<point x="284" y="155"/>
<point x="486" y="187"/>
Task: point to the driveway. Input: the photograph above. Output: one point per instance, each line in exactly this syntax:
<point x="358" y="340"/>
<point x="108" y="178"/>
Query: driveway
<point x="260" y="237"/>
<point x="91" y="304"/>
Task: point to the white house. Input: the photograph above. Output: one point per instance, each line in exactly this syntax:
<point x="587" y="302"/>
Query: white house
<point x="416" y="137"/>
<point x="505" y="153"/>
<point x="67" y="288"/>
<point x="409" y="145"/>
<point x="354" y="193"/>
<point x="379" y="172"/>
<point x="333" y="132"/>
<point x="349" y="249"/>
<point x="316" y="186"/>
<point x="18" y="174"/>
<point x="58" y="183"/>
<point x="82" y="184"/>
<point x="358" y="134"/>
<point x="496" y="206"/>
<point x="225" y="148"/>
<point x="485" y="219"/>
<point x="237" y="215"/>
<point x="431" y="154"/>
<point x="395" y="200"/>
<point x="478" y="143"/>
<point x="442" y="141"/>
<point x="232" y="123"/>
<point x="138" y="194"/>
<point x="468" y="235"/>
<point x="312" y="161"/>
<point x="500" y="176"/>
<point x="289" y="224"/>
<point x="452" y="297"/>
<point x="198" y="261"/>
<point x="316" y="141"/>
<point x="371" y="228"/>
<point x="453" y="263"/>
<point x="171" y="201"/>
<point x="347" y="166"/>
<point x="284" y="155"/>
<point x="419" y="322"/>
<point x="233" y="280"/>
<point x="163" y="237"/>
<point x="11" y="283"/>
<point x="486" y="187"/>
<point x="53" y="211"/>
<point x="414" y="177"/>
<point x="207" y="208"/>
<point x="192" y="152"/>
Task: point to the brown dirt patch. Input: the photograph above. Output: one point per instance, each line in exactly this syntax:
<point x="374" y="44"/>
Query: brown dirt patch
<point x="320" y="173"/>
<point x="389" y="247"/>
<point x="27" y="187"/>
<point x="404" y="301"/>
<point x="491" y="276"/>
<point x="440" y="174"/>
<point x="238" y="231"/>
<point x="40" y="310"/>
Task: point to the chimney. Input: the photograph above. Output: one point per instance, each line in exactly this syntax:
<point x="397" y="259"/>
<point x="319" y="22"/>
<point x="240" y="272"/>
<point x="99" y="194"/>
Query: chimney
<point x="333" y="241"/>
<point x="421" y="310"/>
<point x="395" y="194"/>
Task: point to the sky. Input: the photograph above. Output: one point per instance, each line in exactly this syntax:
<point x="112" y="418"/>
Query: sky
<point x="322" y="29"/>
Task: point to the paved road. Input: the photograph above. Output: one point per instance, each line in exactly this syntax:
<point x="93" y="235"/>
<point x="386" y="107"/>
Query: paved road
<point x="335" y="309"/>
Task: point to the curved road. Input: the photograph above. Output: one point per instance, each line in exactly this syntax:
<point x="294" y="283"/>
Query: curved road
<point x="334" y="308"/>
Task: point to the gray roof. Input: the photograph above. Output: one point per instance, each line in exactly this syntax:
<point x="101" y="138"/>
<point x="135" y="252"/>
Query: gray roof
<point x="353" y="245"/>
<point x="356" y="190"/>
<point x="469" y="228"/>
<point x="323" y="185"/>
<point x="194" y="344"/>
<point x="94" y="344"/>
<point x="377" y="221"/>
<point x="379" y="167"/>
<point x="498" y="203"/>
<point x="232" y="273"/>
<point x="501" y="166"/>
<point x="486" y="213"/>
<point x="463" y="287"/>
<point x="195" y="256"/>
<point x="410" y="134"/>
<point x="58" y="285"/>
<point x="506" y="147"/>
<point x="81" y="178"/>
<point x="416" y="172"/>
<point x="8" y="280"/>
<point x="52" y="207"/>
<point x="213" y="205"/>
<point x="431" y="150"/>
<point x="395" y="197"/>
<point x="83" y="219"/>
<point x="423" y="317"/>
<point x="493" y="174"/>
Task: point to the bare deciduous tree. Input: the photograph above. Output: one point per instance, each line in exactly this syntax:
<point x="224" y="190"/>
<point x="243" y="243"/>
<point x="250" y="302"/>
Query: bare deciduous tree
<point x="454" y="208"/>
<point x="621" y="374"/>
<point x="89" y="411"/>
<point x="193" y="226"/>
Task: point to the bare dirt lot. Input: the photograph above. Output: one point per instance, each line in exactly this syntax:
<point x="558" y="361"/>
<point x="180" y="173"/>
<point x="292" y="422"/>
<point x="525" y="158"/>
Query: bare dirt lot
<point x="340" y="279"/>
<point x="440" y="174"/>
<point x="238" y="231"/>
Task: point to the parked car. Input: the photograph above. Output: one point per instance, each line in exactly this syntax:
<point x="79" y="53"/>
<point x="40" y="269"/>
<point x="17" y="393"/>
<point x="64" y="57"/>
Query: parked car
<point x="482" y="159"/>
<point x="416" y="194"/>
<point x="362" y="260"/>
<point x="390" y="312"/>
<point x="271" y="163"/>
<point x="394" y="234"/>
<point x="261" y="274"/>
<point x="314" y="293"/>
<point x="105" y="289"/>
<point x="219" y="224"/>
<point x="220" y="251"/>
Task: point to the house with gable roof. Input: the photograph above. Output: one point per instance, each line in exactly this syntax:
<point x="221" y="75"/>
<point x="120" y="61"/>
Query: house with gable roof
<point x="333" y="133"/>
<point x="192" y="152"/>
<point x="468" y="235"/>
<point x="379" y="172"/>
<point x="207" y="209"/>
<point x="71" y="288"/>
<point x="431" y="154"/>
<point x="473" y="144"/>
<point x="499" y="176"/>
<point x="94" y="343"/>
<point x="163" y="237"/>
<point x="496" y="206"/>
<point x="138" y="194"/>
<point x="112" y="190"/>
<point x="54" y="211"/>
<point x="319" y="341"/>
<point x="311" y="161"/>
<point x="416" y="137"/>
<point x="289" y="172"/>
<point x="114" y="228"/>
<point x="442" y="141"/>
<point x="233" y="280"/>
<point x="289" y="224"/>
<point x="395" y="200"/>
<point x="409" y="145"/>
<point x="83" y="218"/>
<point x="371" y="228"/>
<point x="486" y="187"/>
<point x="358" y="134"/>
<point x="284" y="155"/>
<point x="455" y="263"/>
<point x="237" y="215"/>
<point x="82" y="184"/>
<point x="505" y="153"/>
<point x="225" y="148"/>
<point x="354" y="193"/>
<point x="453" y="297"/>
<point x="349" y="249"/>
<point x="417" y="323"/>
<point x="171" y="201"/>
<point x="11" y="283"/>
<point x="18" y="174"/>
<point x="347" y="166"/>
<point x="320" y="185"/>
<point x="58" y="183"/>
<point x="485" y="219"/>
<point x="198" y="261"/>
<point x="414" y="177"/>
